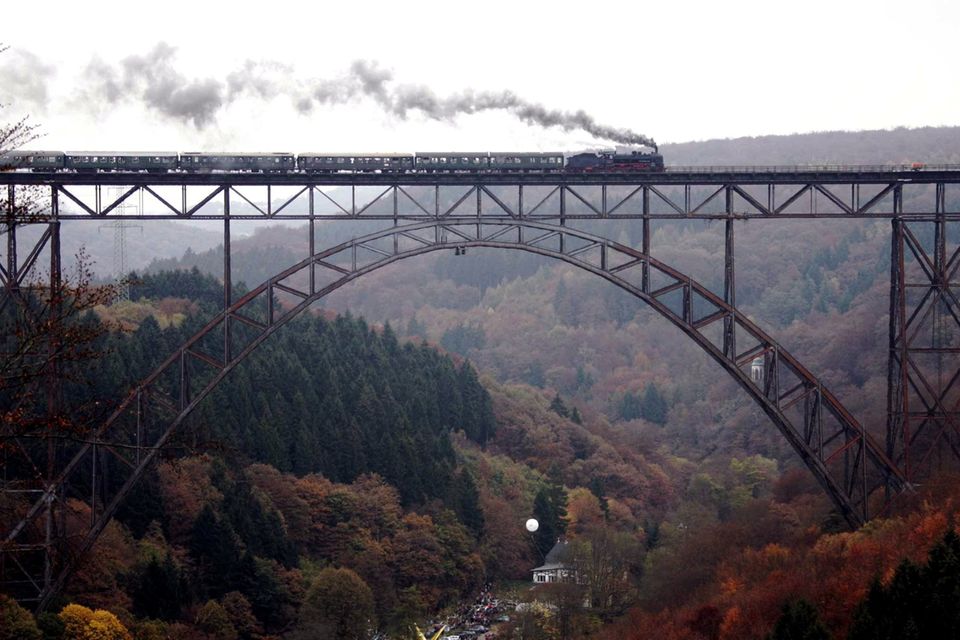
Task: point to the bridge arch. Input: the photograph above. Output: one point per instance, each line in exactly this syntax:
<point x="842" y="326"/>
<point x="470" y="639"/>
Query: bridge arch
<point x="847" y="462"/>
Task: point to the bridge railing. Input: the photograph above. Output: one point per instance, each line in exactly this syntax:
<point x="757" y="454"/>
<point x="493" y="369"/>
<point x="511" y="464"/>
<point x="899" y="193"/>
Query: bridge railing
<point x="813" y="168"/>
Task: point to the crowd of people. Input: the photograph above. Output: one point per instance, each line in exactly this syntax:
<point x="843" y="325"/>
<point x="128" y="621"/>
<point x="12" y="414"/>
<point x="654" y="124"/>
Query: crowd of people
<point x="474" y="621"/>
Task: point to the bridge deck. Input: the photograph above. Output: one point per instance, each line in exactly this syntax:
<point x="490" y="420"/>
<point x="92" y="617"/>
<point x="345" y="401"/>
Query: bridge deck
<point x="680" y="192"/>
<point x="871" y="174"/>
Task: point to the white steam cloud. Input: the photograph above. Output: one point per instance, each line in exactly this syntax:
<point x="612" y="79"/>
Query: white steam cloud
<point x="154" y="80"/>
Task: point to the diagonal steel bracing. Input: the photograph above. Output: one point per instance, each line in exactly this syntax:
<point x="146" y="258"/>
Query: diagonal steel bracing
<point x="753" y="192"/>
<point x="923" y="408"/>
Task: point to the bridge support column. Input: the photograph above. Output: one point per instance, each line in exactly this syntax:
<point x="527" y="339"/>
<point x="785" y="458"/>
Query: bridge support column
<point x="227" y="273"/>
<point x="923" y="378"/>
<point x="10" y="275"/>
<point x="729" y="280"/>
<point x="35" y="314"/>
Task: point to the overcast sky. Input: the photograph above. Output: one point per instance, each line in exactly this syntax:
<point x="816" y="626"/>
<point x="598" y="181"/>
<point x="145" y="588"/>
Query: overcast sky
<point x="416" y="76"/>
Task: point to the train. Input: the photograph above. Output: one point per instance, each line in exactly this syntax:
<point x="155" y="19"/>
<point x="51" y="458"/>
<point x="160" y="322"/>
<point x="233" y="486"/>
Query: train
<point x="329" y="163"/>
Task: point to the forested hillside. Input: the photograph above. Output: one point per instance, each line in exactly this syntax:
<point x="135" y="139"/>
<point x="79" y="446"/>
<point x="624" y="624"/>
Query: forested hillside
<point x="325" y="396"/>
<point x="338" y="445"/>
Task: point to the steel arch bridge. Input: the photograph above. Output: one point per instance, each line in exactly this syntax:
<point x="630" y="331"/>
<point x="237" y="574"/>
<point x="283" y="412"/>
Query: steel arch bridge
<point x="858" y="473"/>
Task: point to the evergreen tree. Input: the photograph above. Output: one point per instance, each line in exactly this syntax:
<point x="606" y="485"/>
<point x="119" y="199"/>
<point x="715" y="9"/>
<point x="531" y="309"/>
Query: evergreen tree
<point x="479" y="423"/>
<point x="465" y="501"/>
<point x="654" y="408"/>
<point x="269" y="599"/>
<point x="463" y="338"/>
<point x="584" y="379"/>
<point x="567" y="305"/>
<point x="799" y="620"/>
<point x="215" y="547"/>
<point x="159" y="590"/>
<point x="259" y="527"/>
<point x="550" y="510"/>
<point x="630" y="407"/>
<point x="416" y="328"/>
<point x="535" y="376"/>
<point x="559" y="407"/>
<point x="142" y="506"/>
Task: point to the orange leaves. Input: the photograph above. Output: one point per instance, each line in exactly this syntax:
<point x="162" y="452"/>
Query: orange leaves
<point x="583" y="510"/>
<point x="186" y="488"/>
<point x="732" y="621"/>
<point x="930" y="528"/>
<point x="730" y="586"/>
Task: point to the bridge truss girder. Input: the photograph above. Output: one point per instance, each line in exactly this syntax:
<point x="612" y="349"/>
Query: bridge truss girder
<point x="849" y="464"/>
<point x="770" y="195"/>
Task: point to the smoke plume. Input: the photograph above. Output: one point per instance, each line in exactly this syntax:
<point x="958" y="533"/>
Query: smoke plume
<point x="154" y="80"/>
<point x="23" y="79"/>
<point x="369" y="80"/>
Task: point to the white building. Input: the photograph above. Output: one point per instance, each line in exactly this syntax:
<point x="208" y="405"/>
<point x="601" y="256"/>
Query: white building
<point x="554" y="569"/>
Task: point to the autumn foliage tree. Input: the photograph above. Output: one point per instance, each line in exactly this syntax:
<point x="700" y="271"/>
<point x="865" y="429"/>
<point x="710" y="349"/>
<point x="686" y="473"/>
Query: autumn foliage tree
<point x="16" y="623"/>
<point x="338" y="604"/>
<point x="81" y="623"/>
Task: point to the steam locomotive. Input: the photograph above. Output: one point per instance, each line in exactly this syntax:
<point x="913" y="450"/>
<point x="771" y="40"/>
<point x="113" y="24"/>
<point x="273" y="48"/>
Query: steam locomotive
<point x="328" y="163"/>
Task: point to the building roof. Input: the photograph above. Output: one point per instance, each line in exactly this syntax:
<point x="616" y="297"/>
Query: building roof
<point x="558" y="554"/>
<point x="556" y="557"/>
<point x="551" y="567"/>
